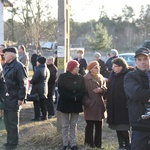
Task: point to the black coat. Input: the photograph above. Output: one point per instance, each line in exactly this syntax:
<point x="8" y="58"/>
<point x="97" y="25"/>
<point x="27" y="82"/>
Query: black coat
<point x="117" y="111"/>
<point x="16" y="80"/>
<point x="33" y="59"/>
<point x="102" y="69"/>
<point x="83" y="65"/>
<point x="39" y="81"/>
<point x="138" y="93"/>
<point x="53" y="74"/>
<point x="109" y="63"/>
<point x="71" y="89"/>
<point x="2" y="88"/>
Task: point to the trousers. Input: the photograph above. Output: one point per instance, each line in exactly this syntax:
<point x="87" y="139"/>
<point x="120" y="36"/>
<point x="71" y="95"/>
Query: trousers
<point x="140" y="140"/>
<point x="11" y="120"/>
<point x="90" y="139"/>
<point x="69" y="122"/>
<point x="40" y="105"/>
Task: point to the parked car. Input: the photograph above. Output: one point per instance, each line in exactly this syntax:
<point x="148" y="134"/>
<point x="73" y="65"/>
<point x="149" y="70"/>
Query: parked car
<point x="129" y="57"/>
<point x="146" y="44"/>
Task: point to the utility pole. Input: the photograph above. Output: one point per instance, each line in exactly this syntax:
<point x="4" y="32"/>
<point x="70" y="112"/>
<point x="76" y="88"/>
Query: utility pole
<point x="63" y="39"/>
<point x="63" y="34"/>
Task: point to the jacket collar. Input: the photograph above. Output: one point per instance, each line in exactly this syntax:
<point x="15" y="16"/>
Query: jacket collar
<point x="140" y="72"/>
<point x="9" y="66"/>
<point x="90" y="77"/>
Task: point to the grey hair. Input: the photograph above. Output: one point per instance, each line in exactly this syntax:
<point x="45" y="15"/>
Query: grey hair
<point x="51" y="57"/>
<point x="14" y="55"/>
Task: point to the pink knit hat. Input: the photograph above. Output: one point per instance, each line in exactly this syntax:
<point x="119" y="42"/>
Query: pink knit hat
<point x="72" y="64"/>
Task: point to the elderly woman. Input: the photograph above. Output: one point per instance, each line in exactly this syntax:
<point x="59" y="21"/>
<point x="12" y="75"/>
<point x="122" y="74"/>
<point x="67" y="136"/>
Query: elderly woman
<point x="93" y="104"/>
<point x="39" y="83"/>
<point x="71" y="89"/>
<point x="117" y="110"/>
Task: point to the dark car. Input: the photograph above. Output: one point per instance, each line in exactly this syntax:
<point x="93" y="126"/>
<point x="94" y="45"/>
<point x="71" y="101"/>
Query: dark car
<point x="146" y="44"/>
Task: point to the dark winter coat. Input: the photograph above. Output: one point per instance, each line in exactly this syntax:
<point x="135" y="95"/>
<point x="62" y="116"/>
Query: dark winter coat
<point x="16" y="80"/>
<point x="138" y="93"/>
<point x="33" y="59"/>
<point x="109" y="63"/>
<point x="102" y="69"/>
<point x="53" y="74"/>
<point x="71" y="89"/>
<point x="2" y="90"/>
<point x="93" y="102"/>
<point x="83" y="65"/>
<point x="39" y="81"/>
<point x="117" y="111"/>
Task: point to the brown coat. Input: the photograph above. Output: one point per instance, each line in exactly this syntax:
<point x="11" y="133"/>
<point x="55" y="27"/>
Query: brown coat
<point x="93" y="103"/>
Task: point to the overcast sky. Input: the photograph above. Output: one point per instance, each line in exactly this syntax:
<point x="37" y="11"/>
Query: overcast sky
<point x="84" y="10"/>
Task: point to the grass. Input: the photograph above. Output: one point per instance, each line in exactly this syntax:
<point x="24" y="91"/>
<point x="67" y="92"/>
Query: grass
<point x="44" y="136"/>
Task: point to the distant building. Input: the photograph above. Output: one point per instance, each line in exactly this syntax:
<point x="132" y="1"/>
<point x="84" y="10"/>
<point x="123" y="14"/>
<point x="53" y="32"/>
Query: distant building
<point x="3" y="3"/>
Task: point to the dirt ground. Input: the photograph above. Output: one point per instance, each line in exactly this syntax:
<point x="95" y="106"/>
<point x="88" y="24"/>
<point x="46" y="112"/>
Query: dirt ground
<point x="43" y="135"/>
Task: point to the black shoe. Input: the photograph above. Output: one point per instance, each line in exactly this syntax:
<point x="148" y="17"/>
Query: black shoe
<point x="74" y="148"/>
<point x="36" y="119"/>
<point x="43" y="118"/>
<point x="64" y="148"/>
<point x="6" y="144"/>
<point x="10" y="146"/>
<point x="50" y="116"/>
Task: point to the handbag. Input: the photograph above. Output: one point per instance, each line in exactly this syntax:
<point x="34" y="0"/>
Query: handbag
<point x="33" y="97"/>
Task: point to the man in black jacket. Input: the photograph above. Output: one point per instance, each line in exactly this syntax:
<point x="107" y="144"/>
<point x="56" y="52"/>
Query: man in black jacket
<point x="138" y="94"/>
<point x="16" y="79"/>
<point x="51" y="85"/>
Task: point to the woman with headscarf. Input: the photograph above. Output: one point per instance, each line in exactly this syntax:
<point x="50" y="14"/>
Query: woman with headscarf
<point x="71" y="89"/>
<point x="93" y="104"/>
<point x="117" y="111"/>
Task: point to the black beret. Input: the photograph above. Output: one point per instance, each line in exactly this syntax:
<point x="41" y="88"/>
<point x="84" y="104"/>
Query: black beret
<point x="11" y="49"/>
<point x="41" y="60"/>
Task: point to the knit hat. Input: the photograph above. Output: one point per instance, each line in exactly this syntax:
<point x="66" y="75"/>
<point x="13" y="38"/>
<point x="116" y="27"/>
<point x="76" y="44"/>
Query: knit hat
<point x="92" y="64"/>
<point x="41" y="60"/>
<point x="97" y="55"/>
<point x="72" y="64"/>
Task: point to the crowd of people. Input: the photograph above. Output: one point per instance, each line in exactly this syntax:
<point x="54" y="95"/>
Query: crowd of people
<point x="92" y="88"/>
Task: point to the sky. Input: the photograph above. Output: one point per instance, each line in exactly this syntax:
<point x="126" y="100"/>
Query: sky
<point x="85" y="10"/>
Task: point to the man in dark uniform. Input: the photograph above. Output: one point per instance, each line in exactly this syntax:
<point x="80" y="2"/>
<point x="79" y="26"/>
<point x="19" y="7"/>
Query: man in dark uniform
<point x="16" y="79"/>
